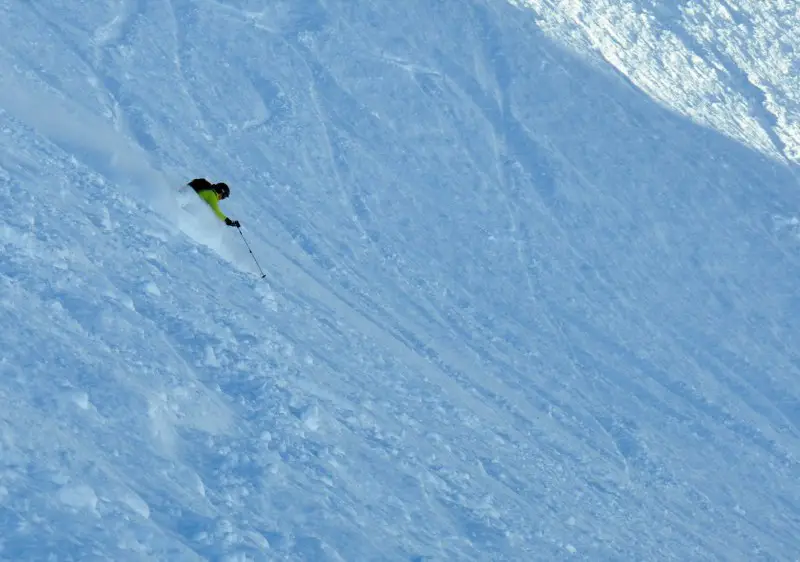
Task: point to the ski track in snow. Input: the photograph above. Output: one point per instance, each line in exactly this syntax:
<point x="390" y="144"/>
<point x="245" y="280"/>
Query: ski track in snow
<point x="514" y="307"/>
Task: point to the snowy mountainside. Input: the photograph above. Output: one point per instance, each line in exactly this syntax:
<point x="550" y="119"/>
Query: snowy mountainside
<point x="515" y="308"/>
<point x="731" y="65"/>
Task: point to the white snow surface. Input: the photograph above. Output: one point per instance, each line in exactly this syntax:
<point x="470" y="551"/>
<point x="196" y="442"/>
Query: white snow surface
<point x="730" y="64"/>
<point x="531" y="280"/>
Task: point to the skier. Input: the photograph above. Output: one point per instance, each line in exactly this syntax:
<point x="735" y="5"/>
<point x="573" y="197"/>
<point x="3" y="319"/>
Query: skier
<point x="212" y="194"/>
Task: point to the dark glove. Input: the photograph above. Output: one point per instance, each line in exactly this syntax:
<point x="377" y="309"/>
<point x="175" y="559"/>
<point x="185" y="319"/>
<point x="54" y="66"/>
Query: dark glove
<point x="229" y="222"/>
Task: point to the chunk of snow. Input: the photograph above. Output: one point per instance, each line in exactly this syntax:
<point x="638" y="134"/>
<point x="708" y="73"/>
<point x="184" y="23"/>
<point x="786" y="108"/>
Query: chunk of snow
<point x="152" y="288"/>
<point x="79" y="496"/>
<point x="81" y="399"/>
<point x="211" y="357"/>
<point x="137" y="505"/>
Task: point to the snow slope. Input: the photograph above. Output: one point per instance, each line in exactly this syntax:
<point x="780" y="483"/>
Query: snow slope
<point x="517" y="306"/>
<point x="729" y="64"/>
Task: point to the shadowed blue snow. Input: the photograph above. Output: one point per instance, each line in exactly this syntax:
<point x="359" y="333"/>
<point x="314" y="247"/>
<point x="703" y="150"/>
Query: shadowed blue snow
<point x="514" y="309"/>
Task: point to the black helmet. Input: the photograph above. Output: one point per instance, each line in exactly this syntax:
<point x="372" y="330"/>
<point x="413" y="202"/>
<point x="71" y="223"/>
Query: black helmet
<point x="222" y="190"/>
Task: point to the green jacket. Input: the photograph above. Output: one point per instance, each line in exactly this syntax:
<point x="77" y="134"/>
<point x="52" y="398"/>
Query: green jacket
<point x="212" y="199"/>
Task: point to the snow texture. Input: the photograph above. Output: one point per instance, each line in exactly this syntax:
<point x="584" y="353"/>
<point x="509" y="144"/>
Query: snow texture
<point x="531" y="286"/>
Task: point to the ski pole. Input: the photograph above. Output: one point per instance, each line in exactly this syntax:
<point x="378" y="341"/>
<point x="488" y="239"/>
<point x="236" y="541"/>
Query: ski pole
<point x="252" y="254"/>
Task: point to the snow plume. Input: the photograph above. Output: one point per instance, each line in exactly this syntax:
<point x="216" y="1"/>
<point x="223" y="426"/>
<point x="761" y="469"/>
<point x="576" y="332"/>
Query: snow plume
<point x="99" y="145"/>
<point x="88" y="136"/>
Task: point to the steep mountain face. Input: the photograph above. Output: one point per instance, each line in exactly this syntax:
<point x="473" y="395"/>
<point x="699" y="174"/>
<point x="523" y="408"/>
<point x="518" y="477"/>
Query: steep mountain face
<point x="531" y="281"/>
<point x="730" y="65"/>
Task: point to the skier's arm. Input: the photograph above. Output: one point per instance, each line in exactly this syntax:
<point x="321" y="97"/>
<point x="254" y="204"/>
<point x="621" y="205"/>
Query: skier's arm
<point x="217" y="211"/>
<point x="211" y="198"/>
